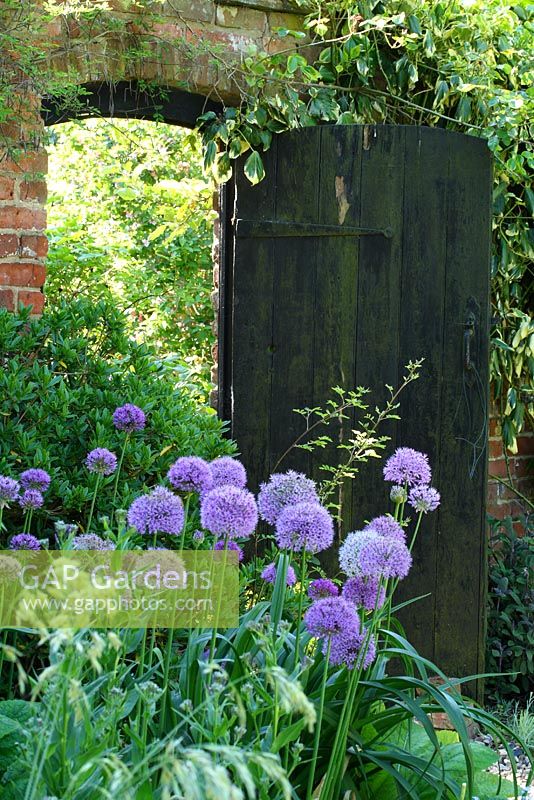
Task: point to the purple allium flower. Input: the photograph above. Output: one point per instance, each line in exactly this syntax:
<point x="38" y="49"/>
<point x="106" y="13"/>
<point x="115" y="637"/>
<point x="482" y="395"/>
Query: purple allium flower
<point x="219" y="545"/>
<point x="199" y="536"/>
<point x="228" y="511"/>
<point x="424" y="498"/>
<point x="330" y="616"/>
<point x="305" y="526"/>
<point x="91" y="541"/>
<point x="191" y="474"/>
<point x="398" y="494"/>
<point x="101" y="461"/>
<point x="282" y="490"/>
<point x="353" y="650"/>
<point x="35" y="479"/>
<point x="349" y="552"/>
<point x="385" y="557"/>
<point x="31" y="499"/>
<point x="269" y="575"/>
<point x="364" y="592"/>
<point x="227" y="471"/>
<point x="407" y="466"/>
<point x="24" y="541"/>
<point x="9" y="490"/>
<point x="322" y="587"/>
<point x="386" y="526"/>
<point x="161" y="511"/>
<point x="129" y="418"/>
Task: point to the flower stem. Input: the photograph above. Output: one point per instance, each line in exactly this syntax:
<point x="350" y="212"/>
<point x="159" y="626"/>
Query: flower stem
<point x="299" y="612"/>
<point x="117" y="475"/>
<point x="318" y="724"/>
<point x="186" y="514"/>
<point x="91" y="512"/>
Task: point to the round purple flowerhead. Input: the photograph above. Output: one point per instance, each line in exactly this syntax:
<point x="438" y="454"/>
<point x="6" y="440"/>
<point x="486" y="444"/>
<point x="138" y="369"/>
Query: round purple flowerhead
<point x="9" y="490"/>
<point x="305" y="526"/>
<point x="229" y="512"/>
<point x="321" y="588"/>
<point x="91" y="541"/>
<point x="101" y="461"/>
<point x="385" y="558"/>
<point x="219" y="545"/>
<point x="407" y="466"/>
<point x="331" y="616"/>
<point x="282" y="490"/>
<point x="161" y="511"/>
<point x="227" y="471"/>
<point x="191" y="474"/>
<point x="24" y="541"/>
<point x="31" y="499"/>
<point x="269" y="575"/>
<point x="35" y="479"/>
<point x="364" y="592"/>
<point x="386" y="526"/>
<point x="129" y="418"/>
<point x="349" y="552"/>
<point x="353" y="650"/>
<point x="424" y="499"/>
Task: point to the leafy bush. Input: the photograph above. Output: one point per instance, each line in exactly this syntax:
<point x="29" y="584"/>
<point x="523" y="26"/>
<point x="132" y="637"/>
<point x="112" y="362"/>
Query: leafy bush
<point x="510" y="641"/>
<point x="63" y="375"/>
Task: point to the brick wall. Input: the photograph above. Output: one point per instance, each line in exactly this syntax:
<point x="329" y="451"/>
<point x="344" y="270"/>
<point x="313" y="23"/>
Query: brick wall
<point x="519" y="467"/>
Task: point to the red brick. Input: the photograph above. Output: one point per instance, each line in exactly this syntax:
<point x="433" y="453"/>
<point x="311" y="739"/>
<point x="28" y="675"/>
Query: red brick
<point x="35" y="299"/>
<point x="7" y="299"/>
<point x="495" y="447"/>
<point x="498" y="467"/>
<point x="494" y="426"/>
<point x="525" y="444"/>
<point x="31" y="161"/>
<point x="22" y="274"/>
<point x="22" y="218"/>
<point x="7" y="188"/>
<point x="34" y="190"/>
<point x="9" y="244"/>
<point x="33" y="246"/>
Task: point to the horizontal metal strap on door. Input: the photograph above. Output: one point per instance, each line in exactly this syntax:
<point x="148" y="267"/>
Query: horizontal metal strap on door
<point x="267" y="229"/>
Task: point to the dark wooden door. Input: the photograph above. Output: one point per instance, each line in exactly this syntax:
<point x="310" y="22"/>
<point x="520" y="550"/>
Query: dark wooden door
<point x="310" y="300"/>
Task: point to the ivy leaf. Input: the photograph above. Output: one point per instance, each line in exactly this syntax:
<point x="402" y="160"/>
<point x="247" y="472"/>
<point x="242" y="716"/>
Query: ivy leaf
<point x="428" y="44"/>
<point x="210" y="154"/>
<point x="254" y="169"/>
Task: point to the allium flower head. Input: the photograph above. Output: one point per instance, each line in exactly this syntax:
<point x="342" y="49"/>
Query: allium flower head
<point x="407" y="466"/>
<point x="269" y="575"/>
<point x="24" y="541"/>
<point x="101" y="461"/>
<point x="349" y="552"/>
<point x="398" y="494"/>
<point x="386" y="526"/>
<point x="228" y="471"/>
<point x="9" y="568"/>
<point x="228" y="511"/>
<point x="282" y="490"/>
<point x="322" y="587"/>
<point x="35" y="479"/>
<point x="364" y="592"/>
<point x="219" y="545"/>
<point x="305" y="526"/>
<point x="199" y="536"/>
<point x="331" y="616"/>
<point x="385" y="557"/>
<point x="91" y="541"/>
<point x="31" y="499"/>
<point x="191" y="474"/>
<point x="161" y="511"/>
<point x="353" y="650"/>
<point x="424" y="498"/>
<point x="9" y="490"/>
<point x="129" y="418"/>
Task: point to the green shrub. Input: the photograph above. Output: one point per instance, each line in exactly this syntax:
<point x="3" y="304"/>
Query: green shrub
<point x="62" y="377"/>
<point x="510" y="640"/>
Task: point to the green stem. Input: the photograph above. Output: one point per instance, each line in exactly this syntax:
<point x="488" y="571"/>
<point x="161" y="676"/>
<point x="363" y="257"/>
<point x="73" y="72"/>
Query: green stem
<point x="299" y="612"/>
<point x="318" y="725"/>
<point x="117" y="475"/>
<point x="186" y="514"/>
<point x="91" y="512"/>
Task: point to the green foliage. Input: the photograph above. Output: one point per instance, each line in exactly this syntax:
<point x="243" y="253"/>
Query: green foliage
<point x="463" y="65"/>
<point x="510" y="640"/>
<point x="130" y="222"/>
<point x="62" y="377"/>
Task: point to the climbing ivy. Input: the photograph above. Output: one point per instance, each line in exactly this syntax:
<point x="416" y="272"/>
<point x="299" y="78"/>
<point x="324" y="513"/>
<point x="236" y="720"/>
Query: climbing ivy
<point x="459" y="64"/>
